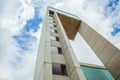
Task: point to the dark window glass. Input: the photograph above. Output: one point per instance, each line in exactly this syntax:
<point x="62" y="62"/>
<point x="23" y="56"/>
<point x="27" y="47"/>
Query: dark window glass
<point x="59" y="50"/>
<point x="57" y="38"/>
<point x="59" y="69"/>
<point x="54" y="25"/>
<point x="51" y="12"/>
<point x="55" y="31"/>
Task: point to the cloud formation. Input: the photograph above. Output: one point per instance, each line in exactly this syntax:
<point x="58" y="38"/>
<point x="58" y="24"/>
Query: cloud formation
<point x="20" y="26"/>
<point x="18" y="40"/>
<point x="101" y="15"/>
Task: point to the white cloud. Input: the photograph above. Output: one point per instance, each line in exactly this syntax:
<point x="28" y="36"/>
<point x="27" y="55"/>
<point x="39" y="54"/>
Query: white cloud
<point x="26" y="12"/>
<point x="8" y="15"/>
<point x="92" y="12"/>
<point x="5" y="73"/>
<point x="15" y="13"/>
<point x="7" y="48"/>
<point x="89" y="11"/>
<point x="43" y="4"/>
<point x="27" y="69"/>
<point x="10" y="24"/>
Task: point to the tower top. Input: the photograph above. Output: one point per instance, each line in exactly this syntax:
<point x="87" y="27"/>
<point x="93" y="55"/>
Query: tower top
<point x="69" y="21"/>
<point x="63" y="13"/>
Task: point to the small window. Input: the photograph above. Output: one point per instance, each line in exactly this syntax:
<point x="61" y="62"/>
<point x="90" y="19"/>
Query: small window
<point x="55" y="31"/>
<point x="59" y="50"/>
<point x="59" y="69"/>
<point x="57" y="38"/>
<point x="56" y="50"/>
<point x="54" y="25"/>
<point x="51" y="12"/>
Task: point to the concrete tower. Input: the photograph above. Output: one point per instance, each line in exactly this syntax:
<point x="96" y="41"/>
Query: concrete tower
<point x="56" y="59"/>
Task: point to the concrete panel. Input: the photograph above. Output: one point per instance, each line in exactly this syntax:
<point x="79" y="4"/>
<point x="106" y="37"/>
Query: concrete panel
<point x="100" y="44"/>
<point x="71" y="60"/>
<point x="48" y="52"/>
<point x="114" y="66"/>
<point x="48" y="71"/>
<point x="63" y="37"/>
<point x="107" y="53"/>
<point x="55" y="43"/>
<point x="39" y="69"/>
<point x="40" y="74"/>
<point x="65" y="43"/>
<point x="88" y="34"/>
<point x="59" y="77"/>
<point x="69" y="63"/>
<point x="118" y="78"/>
<point x="116" y="58"/>
<point x="83" y="29"/>
<point x="92" y="41"/>
<point x="47" y="36"/>
<point x="103" y="49"/>
<point x="58" y="58"/>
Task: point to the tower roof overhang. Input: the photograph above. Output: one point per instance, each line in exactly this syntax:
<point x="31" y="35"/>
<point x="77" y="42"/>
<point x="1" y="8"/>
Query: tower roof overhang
<point x="70" y="25"/>
<point x="69" y="21"/>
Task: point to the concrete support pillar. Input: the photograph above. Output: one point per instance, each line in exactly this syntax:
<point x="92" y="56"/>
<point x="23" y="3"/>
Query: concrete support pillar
<point x="47" y="59"/>
<point x="43" y="68"/>
<point x="73" y="67"/>
<point x="66" y="26"/>
<point x="104" y="50"/>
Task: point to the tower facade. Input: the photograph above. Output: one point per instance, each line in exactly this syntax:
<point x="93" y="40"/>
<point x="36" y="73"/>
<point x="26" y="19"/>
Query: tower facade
<point x="56" y="59"/>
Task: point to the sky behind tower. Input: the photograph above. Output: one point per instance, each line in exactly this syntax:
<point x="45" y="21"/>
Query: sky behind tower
<point x="21" y="22"/>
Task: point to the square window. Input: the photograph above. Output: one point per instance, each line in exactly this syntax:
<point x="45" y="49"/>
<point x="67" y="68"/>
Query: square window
<point x="59" y="69"/>
<point x="51" y="12"/>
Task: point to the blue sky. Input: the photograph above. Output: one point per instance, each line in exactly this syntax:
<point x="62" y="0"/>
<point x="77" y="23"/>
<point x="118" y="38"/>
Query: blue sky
<point x="109" y="9"/>
<point x="24" y="39"/>
<point x="111" y="6"/>
<point x="20" y="27"/>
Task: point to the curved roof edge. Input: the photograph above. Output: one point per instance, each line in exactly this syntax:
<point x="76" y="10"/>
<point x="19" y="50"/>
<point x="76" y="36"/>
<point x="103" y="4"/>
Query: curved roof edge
<point x="64" y="13"/>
